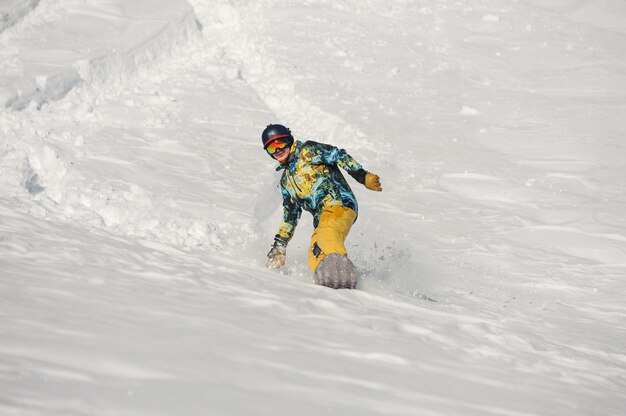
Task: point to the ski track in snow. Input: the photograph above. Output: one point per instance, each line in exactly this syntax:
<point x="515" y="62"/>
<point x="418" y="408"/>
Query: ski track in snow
<point x="236" y="26"/>
<point x="138" y="206"/>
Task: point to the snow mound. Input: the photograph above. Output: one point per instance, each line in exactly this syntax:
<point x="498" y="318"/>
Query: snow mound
<point x="58" y="47"/>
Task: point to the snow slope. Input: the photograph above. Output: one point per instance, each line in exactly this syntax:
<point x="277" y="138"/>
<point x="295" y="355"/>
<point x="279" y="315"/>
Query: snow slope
<point x="137" y="207"/>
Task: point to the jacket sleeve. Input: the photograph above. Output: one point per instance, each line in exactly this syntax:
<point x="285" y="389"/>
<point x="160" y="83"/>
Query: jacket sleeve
<point x="332" y="155"/>
<point x="291" y="214"/>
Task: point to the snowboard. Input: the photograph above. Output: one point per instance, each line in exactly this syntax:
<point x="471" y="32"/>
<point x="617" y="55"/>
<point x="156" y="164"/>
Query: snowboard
<point x="336" y="271"/>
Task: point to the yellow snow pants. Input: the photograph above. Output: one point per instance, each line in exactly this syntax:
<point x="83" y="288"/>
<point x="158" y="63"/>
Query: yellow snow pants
<point x="331" y="232"/>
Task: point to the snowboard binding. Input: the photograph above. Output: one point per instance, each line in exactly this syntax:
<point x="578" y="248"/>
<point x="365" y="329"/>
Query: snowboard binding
<point x="336" y="271"/>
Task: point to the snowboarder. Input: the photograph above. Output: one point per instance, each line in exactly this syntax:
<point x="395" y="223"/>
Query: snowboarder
<point x="311" y="180"/>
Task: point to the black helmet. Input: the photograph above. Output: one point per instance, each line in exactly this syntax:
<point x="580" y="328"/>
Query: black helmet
<point x="275" y="131"/>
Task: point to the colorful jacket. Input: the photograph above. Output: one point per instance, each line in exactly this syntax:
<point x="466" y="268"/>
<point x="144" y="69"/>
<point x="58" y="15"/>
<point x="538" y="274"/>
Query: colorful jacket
<point x="312" y="180"/>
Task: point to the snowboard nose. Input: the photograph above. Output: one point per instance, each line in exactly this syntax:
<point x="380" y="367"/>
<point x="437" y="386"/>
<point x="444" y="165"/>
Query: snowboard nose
<point x="336" y="271"/>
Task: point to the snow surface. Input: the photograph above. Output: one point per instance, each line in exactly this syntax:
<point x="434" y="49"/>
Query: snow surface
<point x="137" y="207"/>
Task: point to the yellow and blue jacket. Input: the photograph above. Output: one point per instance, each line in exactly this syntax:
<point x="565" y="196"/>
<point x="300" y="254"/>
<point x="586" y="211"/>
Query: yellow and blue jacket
<point x="312" y="180"/>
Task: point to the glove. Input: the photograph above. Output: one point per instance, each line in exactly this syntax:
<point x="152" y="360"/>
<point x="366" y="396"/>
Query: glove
<point x="276" y="256"/>
<point x="372" y="182"/>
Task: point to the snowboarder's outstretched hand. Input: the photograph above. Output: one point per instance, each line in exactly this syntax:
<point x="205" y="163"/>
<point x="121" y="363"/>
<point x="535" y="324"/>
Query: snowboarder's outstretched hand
<point x="276" y="256"/>
<point x="372" y="181"/>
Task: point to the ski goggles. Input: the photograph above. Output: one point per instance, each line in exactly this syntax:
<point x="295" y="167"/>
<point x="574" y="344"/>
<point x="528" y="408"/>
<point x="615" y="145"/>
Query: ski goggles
<point x="276" y="145"/>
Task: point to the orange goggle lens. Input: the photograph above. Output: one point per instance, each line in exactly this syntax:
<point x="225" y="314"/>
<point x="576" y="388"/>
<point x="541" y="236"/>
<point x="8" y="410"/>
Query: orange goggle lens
<point x="275" y="146"/>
